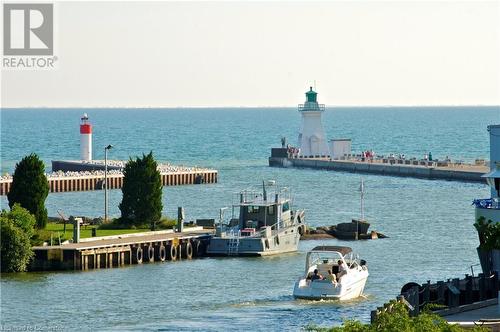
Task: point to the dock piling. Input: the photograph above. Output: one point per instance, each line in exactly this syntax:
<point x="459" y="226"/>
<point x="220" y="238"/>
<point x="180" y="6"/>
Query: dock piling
<point x="180" y="219"/>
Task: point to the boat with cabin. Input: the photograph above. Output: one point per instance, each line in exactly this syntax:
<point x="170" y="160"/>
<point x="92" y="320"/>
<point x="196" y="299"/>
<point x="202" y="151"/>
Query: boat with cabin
<point x="261" y="224"/>
<point x="345" y="282"/>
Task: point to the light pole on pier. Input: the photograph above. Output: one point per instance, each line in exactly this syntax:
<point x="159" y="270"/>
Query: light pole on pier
<point x="109" y="147"/>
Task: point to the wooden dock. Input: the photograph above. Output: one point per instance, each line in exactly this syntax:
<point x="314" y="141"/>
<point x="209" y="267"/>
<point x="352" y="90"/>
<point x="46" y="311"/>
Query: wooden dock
<point x="115" y="181"/>
<point x="118" y="251"/>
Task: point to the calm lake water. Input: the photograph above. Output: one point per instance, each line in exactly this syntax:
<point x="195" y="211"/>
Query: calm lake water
<point x="429" y="223"/>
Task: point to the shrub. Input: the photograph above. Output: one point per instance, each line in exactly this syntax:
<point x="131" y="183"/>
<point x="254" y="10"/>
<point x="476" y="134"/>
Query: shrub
<point x="16" y="230"/>
<point x="30" y="188"/>
<point x="41" y="236"/>
<point x="399" y="320"/>
<point x="166" y="223"/>
<point x="116" y="224"/>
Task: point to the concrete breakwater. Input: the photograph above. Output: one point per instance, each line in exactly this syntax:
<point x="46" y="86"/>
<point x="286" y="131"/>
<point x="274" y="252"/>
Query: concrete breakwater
<point x="115" y="181"/>
<point x="466" y="173"/>
<point x="83" y="179"/>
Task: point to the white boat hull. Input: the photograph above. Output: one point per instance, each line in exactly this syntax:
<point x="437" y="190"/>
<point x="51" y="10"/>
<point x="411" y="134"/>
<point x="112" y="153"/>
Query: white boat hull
<point x="286" y="240"/>
<point x="350" y="287"/>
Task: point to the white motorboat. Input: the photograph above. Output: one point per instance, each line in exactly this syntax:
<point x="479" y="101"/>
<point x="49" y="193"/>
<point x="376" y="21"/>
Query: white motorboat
<point x="261" y="224"/>
<point x="348" y="280"/>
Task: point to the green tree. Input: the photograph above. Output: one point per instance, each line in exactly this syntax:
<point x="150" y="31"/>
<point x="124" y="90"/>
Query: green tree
<point x="142" y="192"/>
<point x="30" y="188"/>
<point x="17" y="228"/>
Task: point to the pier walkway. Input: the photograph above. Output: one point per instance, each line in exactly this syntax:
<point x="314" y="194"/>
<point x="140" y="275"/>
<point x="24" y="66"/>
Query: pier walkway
<point x="488" y="316"/>
<point x="392" y="167"/>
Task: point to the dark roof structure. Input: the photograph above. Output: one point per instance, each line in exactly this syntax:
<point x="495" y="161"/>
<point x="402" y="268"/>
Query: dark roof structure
<point x="343" y="250"/>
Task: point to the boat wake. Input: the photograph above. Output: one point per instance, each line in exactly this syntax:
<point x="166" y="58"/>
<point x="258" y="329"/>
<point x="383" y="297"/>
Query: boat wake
<point x="263" y="302"/>
<point x="289" y="299"/>
<point x="345" y="303"/>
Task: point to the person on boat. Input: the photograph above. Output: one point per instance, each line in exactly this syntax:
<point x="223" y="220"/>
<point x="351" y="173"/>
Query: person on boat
<point x="342" y="269"/>
<point x="332" y="277"/>
<point x="316" y="276"/>
<point x="342" y="266"/>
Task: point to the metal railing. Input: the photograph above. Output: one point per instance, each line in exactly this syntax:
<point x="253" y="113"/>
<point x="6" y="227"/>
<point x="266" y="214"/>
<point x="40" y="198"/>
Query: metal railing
<point x="311" y="107"/>
<point x="235" y="232"/>
<point x="257" y="198"/>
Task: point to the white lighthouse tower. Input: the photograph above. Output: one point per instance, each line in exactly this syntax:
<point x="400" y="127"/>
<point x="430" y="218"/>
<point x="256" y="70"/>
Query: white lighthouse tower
<point x="312" y="139"/>
<point x="85" y="138"/>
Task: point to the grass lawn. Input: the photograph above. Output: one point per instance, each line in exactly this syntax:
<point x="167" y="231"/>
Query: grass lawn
<point x="86" y="231"/>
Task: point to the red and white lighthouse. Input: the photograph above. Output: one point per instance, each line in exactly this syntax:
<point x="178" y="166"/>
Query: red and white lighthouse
<point x="85" y="138"/>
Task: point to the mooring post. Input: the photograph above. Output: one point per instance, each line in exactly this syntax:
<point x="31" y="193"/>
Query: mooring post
<point x="380" y="310"/>
<point x="76" y="228"/>
<point x="482" y="287"/>
<point x="180" y="219"/>
<point x="86" y="262"/>
<point x="427" y="292"/>
<point x="456" y="292"/>
<point x="468" y="289"/>
<point x="440" y="292"/>
<point x="416" y="300"/>
<point x="494" y="280"/>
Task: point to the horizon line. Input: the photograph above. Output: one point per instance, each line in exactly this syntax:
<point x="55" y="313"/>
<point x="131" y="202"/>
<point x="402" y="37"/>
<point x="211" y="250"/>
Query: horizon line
<point x="245" y="107"/>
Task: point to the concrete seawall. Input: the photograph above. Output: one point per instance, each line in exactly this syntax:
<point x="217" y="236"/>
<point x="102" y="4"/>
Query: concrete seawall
<point x="416" y="171"/>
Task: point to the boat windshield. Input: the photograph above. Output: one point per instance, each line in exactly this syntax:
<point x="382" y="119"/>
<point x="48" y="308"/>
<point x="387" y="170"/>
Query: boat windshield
<point x="322" y="257"/>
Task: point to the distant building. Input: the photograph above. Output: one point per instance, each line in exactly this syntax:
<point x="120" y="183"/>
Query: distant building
<point x="489" y="208"/>
<point x="494" y="175"/>
<point x="312" y="139"/>
<point x="340" y="147"/>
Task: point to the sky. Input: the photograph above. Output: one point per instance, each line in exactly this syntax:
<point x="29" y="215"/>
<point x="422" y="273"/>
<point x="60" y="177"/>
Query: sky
<point x="226" y="54"/>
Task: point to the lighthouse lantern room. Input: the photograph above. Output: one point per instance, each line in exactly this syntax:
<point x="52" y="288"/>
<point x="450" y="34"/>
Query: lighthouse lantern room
<point x="85" y="138"/>
<point x="312" y="138"/>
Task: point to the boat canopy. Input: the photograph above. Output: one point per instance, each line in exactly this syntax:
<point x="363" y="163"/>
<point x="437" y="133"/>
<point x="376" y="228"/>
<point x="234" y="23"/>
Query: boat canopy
<point x="343" y="250"/>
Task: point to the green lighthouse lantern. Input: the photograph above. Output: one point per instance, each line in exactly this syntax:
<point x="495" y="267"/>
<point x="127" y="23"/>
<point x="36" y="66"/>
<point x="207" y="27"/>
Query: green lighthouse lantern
<point x="311" y="95"/>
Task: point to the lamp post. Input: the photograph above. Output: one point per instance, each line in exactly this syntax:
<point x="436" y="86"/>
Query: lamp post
<point x="221" y="217"/>
<point x="362" y="191"/>
<point x="109" y="147"/>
